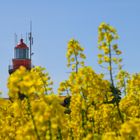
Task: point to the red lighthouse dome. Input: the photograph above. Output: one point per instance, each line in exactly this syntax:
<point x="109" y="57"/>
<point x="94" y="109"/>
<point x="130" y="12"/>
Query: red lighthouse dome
<point x="21" y="57"/>
<point x="21" y="45"/>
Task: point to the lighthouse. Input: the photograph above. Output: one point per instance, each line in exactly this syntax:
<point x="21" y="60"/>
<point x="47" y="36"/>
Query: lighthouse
<point x="21" y="57"/>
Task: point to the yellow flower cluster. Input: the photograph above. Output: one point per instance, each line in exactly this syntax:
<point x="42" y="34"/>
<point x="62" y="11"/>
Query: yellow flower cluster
<point x="74" y="54"/>
<point x="92" y="114"/>
<point x="92" y="109"/>
<point x="33" y="119"/>
<point x="130" y="104"/>
<point x="29" y="83"/>
<point x="122" y="78"/>
<point x="130" y="129"/>
<point x="106" y="35"/>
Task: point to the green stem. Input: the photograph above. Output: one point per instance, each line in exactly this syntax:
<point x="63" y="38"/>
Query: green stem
<point x="59" y="134"/>
<point x="124" y="88"/>
<point x="119" y="112"/>
<point x="113" y="86"/>
<point x="110" y="65"/>
<point x="50" y="133"/>
<point x="44" y="84"/>
<point x="84" y="121"/>
<point x="70" y="131"/>
<point x="32" y="117"/>
<point x="76" y="61"/>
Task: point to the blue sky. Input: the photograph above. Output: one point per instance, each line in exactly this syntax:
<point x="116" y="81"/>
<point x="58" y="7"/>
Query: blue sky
<point x="55" y="22"/>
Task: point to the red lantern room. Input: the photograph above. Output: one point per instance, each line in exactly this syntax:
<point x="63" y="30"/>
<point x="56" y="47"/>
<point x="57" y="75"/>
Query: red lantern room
<point x="21" y="57"/>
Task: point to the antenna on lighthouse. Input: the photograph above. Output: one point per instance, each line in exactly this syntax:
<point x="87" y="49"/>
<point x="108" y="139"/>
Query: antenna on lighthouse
<point x="15" y="39"/>
<point x="31" y="40"/>
<point x="26" y="38"/>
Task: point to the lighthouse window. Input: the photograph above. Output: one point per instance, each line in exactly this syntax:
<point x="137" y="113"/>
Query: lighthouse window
<point x="21" y="53"/>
